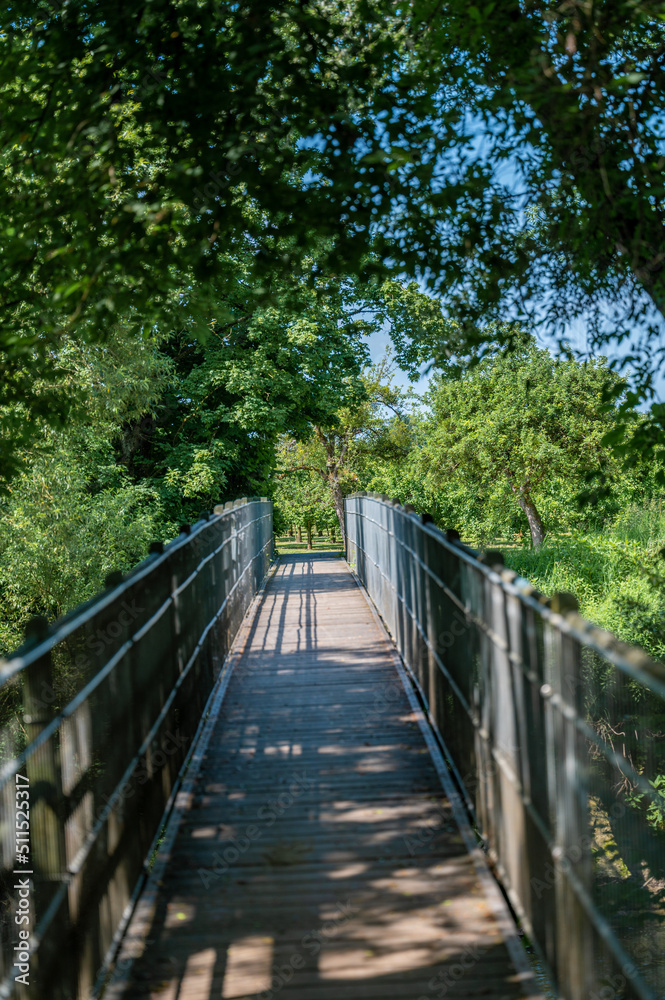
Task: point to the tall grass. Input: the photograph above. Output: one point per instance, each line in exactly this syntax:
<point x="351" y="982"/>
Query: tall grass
<point x="643" y="523"/>
<point x="618" y="577"/>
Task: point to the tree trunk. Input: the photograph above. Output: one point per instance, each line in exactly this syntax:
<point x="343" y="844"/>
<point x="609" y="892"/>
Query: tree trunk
<point x="533" y="517"/>
<point x="309" y="536"/>
<point x="299" y="535"/>
<point x="333" y="535"/>
<point x="338" y="501"/>
<point x="523" y="496"/>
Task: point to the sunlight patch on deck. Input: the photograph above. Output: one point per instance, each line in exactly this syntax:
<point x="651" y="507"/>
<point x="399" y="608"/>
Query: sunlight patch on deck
<point x="248" y="966"/>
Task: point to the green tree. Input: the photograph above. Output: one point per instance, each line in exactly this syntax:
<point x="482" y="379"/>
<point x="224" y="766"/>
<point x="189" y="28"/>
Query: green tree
<point x="140" y="149"/>
<point x="522" y="425"/>
<point x="73" y="513"/>
<point x="337" y="449"/>
<point x="302" y="500"/>
<point x="140" y="135"/>
<point x="570" y="97"/>
<point x="126" y="191"/>
<point x="215" y="427"/>
<point x="162" y="428"/>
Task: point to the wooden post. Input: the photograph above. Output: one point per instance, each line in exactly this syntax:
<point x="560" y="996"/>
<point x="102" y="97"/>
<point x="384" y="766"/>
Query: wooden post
<point x="567" y="765"/>
<point x="47" y="842"/>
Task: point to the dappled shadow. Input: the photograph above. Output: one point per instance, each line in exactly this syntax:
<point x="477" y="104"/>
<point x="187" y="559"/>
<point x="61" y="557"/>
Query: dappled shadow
<point x="319" y="858"/>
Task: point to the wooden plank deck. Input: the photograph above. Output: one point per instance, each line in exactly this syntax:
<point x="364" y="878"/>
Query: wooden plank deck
<point x="319" y="858"/>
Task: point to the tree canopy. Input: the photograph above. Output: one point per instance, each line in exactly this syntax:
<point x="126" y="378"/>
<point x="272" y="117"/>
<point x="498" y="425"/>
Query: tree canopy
<point x="164" y="427"/>
<point x="337" y="449"/>
<point x="510" y="155"/>
<point x="209" y="205"/>
<point x="523" y="429"/>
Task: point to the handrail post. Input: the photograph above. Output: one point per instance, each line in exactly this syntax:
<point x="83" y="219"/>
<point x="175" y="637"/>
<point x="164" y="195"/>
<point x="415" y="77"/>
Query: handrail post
<point x="523" y="691"/>
<point x="574" y="959"/>
<point x="47" y="848"/>
<point x="47" y="857"/>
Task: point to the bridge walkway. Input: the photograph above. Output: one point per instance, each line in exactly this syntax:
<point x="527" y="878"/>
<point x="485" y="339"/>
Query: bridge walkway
<point x="313" y="854"/>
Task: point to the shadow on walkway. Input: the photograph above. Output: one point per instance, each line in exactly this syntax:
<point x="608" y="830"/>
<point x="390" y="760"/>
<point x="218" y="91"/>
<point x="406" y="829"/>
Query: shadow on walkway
<point x="319" y="859"/>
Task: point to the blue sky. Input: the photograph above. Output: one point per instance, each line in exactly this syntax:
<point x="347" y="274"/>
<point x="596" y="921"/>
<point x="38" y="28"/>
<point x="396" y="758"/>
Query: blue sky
<point x="478" y="146"/>
<point x="379" y="342"/>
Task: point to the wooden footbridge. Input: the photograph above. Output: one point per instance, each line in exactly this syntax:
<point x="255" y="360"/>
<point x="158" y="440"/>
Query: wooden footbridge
<point x="316" y="853"/>
<point x="254" y="789"/>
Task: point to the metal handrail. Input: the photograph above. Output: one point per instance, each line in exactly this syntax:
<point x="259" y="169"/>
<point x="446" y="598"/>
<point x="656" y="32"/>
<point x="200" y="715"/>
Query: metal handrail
<point x="516" y="671"/>
<point x="103" y="767"/>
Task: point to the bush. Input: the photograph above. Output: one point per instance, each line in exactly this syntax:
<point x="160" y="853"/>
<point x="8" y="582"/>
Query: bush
<point x="643" y="523"/>
<point x="619" y="584"/>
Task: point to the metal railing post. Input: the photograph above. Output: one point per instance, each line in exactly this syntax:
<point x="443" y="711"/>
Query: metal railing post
<point x="530" y="730"/>
<point x="103" y="767"/>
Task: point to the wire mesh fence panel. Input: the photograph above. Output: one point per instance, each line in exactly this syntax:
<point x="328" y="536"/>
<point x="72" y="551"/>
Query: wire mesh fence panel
<point x="555" y="731"/>
<point x="99" y="713"/>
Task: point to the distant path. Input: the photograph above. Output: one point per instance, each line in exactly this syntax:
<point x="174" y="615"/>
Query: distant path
<point x="341" y="872"/>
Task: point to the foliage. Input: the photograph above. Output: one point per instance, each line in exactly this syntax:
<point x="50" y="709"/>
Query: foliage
<point x="618" y="580"/>
<point x="522" y="425"/>
<point x="643" y="523"/>
<point x="620" y="585"/>
<point x="58" y="542"/>
<point x="302" y="500"/>
<point x="74" y="514"/>
<point x="269" y="372"/>
<point x="164" y="427"/>
<point x="606" y="532"/>
<point x="142" y="151"/>
<point x="337" y="449"/>
<point x="140" y="147"/>
<point x="570" y="98"/>
<point x="655" y="812"/>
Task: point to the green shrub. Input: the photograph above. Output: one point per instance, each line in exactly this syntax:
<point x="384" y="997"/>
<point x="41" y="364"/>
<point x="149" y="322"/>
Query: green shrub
<point x="620" y="584"/>
<point x="643" y="523"/>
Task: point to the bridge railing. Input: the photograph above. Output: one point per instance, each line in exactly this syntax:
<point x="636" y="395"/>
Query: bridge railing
<point x="556" y="733"/>
<point x="105" y="706"/>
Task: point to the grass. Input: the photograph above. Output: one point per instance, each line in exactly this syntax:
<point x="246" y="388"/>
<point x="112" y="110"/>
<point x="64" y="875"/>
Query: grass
<point x="642" y="523"/>
<point x="618" y="581"/>
<point x="618" y="576"/>
<point x="289" y="546"/>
